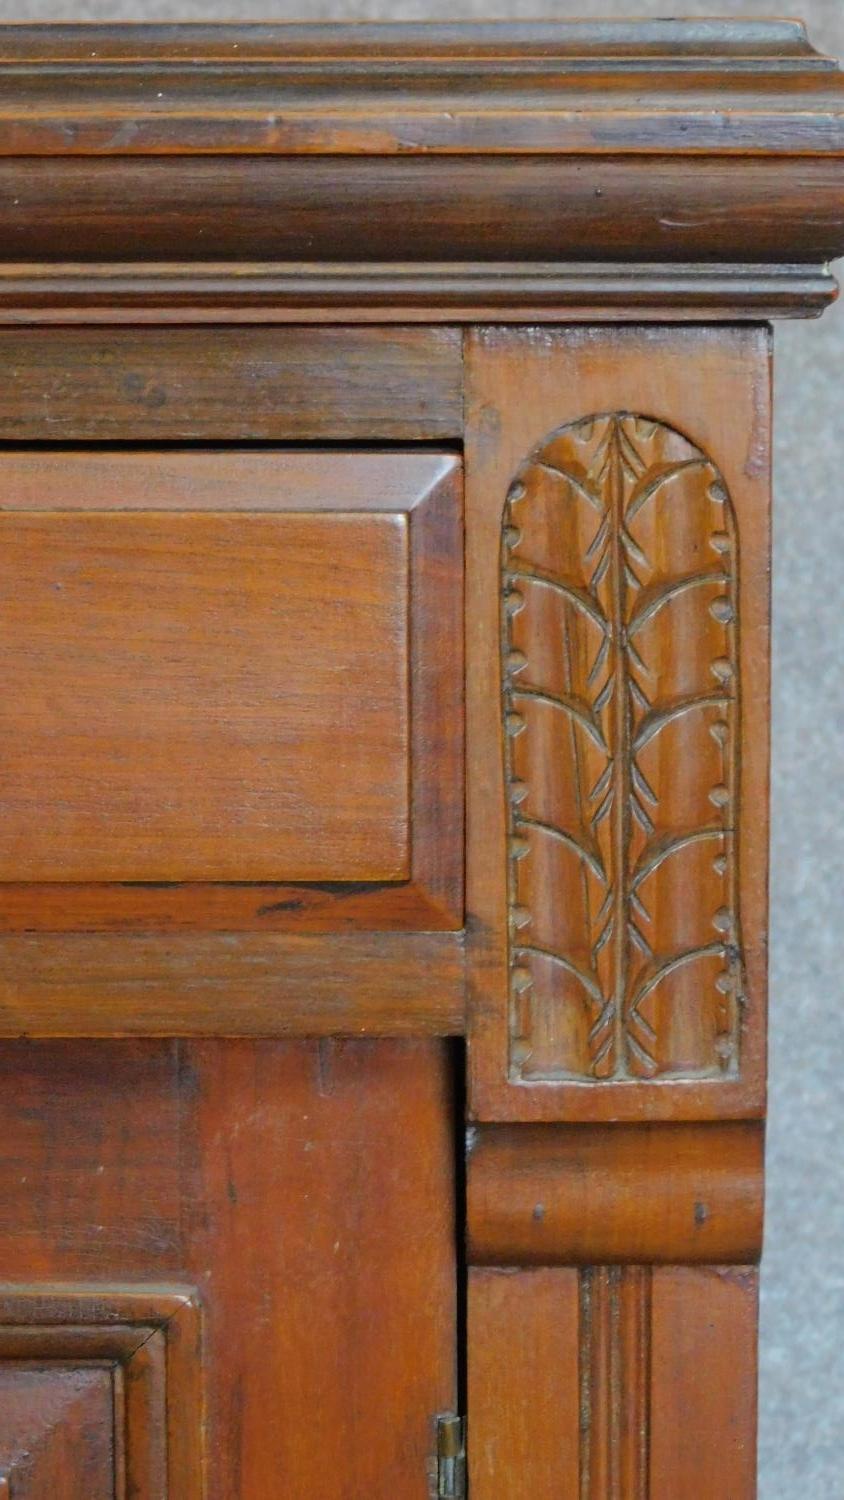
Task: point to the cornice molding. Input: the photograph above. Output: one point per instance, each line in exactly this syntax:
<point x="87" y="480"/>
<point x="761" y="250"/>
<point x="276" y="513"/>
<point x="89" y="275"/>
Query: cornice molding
<point x="652" y="86"/>
<point x="579" y="41"/>
<point x="294" y="171"/>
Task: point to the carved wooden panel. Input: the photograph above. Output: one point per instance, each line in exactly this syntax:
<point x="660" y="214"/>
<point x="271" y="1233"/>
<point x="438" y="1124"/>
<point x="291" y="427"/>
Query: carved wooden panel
<point x="620" y="704"/>
<point x="100" y="1392"/>
<point x="617" y="709"/>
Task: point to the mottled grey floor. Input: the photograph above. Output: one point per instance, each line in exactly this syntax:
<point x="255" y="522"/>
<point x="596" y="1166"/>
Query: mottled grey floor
<point x="802" y="1406"/>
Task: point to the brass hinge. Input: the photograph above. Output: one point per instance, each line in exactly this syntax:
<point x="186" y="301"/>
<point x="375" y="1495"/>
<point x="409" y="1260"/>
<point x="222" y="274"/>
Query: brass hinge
<point x="451" y="1458"/>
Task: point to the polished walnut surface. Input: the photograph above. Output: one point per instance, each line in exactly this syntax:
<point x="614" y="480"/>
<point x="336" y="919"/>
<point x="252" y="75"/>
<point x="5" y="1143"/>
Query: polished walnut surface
<point x="384" y="615"/>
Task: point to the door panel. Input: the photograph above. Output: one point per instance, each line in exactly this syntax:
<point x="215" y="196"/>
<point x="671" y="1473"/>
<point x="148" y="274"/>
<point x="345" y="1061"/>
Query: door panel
<point x="265" y="1229"/>
<point x="55" y="1433"/>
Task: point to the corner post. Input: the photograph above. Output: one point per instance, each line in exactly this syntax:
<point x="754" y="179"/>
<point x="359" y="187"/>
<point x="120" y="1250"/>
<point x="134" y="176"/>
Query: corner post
<point x="617" y="512"/>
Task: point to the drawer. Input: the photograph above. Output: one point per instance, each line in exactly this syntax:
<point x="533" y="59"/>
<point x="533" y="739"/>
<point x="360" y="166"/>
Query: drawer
<point x="233" y="690"/>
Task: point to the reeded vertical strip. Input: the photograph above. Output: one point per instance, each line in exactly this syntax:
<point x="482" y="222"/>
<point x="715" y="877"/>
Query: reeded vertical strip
<point x="615" y="1382"/>
<point x="612" y="1383"/>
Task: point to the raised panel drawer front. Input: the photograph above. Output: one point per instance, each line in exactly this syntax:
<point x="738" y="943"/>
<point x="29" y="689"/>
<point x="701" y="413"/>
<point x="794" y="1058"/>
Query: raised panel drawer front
<point x="232" y="689"/>
<point x="178" y="683"/>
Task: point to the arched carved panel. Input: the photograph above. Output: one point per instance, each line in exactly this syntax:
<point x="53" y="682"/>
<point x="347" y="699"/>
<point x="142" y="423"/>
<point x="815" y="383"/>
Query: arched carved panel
<point x="621" y="731"/>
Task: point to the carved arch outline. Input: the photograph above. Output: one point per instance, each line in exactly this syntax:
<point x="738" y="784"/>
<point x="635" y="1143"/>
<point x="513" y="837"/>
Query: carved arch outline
<point x="621" y="717"/>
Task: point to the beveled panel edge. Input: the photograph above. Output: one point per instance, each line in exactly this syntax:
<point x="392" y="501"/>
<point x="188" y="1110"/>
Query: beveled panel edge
<point x="437" y="750"/>
<point x="72" y="1304"/>
<point x="408" y="479"/>
<point x="162" y="1405"/>
<point x="446" y="292"/>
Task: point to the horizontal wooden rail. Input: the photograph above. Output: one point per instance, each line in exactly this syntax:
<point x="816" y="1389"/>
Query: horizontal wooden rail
<point x="231" y="984"/>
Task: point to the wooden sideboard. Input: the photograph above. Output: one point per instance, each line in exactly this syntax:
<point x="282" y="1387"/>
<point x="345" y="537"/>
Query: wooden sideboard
<point x="384" y="597"/>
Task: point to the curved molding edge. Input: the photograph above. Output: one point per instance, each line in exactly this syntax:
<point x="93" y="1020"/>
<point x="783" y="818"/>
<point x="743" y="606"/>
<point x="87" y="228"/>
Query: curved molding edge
<point x="442" y="292"/>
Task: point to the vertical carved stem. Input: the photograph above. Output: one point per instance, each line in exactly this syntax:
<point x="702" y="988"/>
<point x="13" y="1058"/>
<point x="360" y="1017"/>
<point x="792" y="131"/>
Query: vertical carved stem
<point x="620" y="742"/>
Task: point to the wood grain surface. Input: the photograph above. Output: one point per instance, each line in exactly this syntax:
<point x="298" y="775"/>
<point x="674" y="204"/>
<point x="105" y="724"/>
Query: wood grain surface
<point x="731" y="85"/>
<point x="230" y="384"/>
<point x="620" y="905"/>
<point x="302" y="1189"/>
<point x="604" y="1194"/>
<point x="612" y="1384"/>
<point x="232" y="984"/>
<point x="55" y="1436"/>
<point x="435" y="292"/>
<point x="423" y="208"/>
<point x="198" y="739"/>
<point x="465" y="172"/>
<point x="235" y="926"/>
<point x="175" y="683"/>
<point x="142" y="1429"/>
<point x="524" y="1383"/>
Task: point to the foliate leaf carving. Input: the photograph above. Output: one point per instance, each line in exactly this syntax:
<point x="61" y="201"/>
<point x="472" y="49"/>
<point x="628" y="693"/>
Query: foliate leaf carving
<point x="621" y="732"/>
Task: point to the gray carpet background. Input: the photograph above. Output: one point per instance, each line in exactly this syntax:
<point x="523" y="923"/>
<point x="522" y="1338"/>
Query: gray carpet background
<point x="802" y="1391"/>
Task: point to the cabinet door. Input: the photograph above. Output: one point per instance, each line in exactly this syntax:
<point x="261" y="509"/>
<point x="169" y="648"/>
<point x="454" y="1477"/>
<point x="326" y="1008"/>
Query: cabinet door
<point x="226" y="1268"/>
